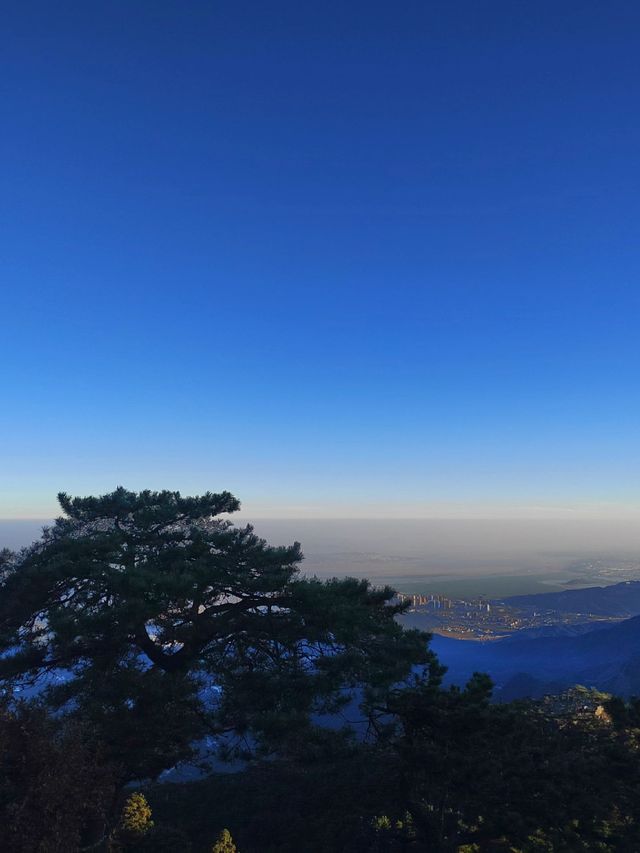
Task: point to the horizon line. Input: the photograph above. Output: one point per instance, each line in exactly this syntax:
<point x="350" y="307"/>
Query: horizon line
<point x="566" y="515"/>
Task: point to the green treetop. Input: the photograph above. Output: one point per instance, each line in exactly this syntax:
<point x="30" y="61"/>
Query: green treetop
<point x="224" y="843"/>
<point x="163" y="622"/>
<point x="136" y="816"/>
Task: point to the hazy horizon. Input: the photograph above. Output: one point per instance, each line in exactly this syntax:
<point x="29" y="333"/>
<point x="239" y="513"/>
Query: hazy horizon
<point x="506" y="554"/>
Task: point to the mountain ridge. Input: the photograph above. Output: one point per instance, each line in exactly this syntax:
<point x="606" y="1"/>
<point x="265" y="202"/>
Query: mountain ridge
<point x="621" y="599"/>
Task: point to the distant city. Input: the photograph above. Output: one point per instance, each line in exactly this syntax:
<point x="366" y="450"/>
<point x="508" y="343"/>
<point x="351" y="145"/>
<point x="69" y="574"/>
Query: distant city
<point x="483" y="619"/>
<point x="478" y="617"/>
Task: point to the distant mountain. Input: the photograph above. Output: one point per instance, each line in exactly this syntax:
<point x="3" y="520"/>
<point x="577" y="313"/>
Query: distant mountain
<point x="607" y="658"/>
<point x="621" y="599"/>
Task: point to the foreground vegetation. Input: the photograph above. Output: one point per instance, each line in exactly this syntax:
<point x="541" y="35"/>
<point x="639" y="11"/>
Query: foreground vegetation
<point x="144" y="631"/>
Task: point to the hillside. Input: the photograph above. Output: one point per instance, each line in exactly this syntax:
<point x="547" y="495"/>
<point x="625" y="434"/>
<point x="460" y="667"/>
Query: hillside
<point x="621" y="599"/>
<point x="608" y="658"/>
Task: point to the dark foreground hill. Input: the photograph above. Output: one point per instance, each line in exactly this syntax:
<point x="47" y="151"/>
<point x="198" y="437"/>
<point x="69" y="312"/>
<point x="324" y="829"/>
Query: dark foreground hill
<point x="607" y="659"/>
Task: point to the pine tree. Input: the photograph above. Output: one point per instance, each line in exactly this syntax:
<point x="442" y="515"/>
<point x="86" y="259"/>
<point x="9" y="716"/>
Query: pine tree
<point x="136" y="816"/>
<point x="144" y="600"/>
<point x="224" y="843"/>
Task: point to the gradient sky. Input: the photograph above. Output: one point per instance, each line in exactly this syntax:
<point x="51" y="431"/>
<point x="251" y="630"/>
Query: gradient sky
<point x="338" y="257"/>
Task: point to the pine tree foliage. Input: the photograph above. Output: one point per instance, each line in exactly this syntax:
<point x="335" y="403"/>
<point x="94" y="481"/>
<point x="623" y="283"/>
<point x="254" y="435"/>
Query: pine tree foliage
<point x="224" y="843"/>
<point x="55" y="790"/>
<point x="136" y="815"/>
<point x="153" y="617"/>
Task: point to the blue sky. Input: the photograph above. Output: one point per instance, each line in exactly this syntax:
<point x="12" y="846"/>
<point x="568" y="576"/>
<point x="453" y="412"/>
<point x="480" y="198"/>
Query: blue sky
<point x="339" y="258"/>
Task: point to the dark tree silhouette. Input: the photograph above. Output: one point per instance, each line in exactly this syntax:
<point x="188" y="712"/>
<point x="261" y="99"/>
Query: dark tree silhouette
<point x="160" y="622"/>
<point x="55" y="789"/>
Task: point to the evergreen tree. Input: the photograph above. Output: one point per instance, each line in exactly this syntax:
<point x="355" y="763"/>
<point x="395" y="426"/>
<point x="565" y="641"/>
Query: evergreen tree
<point x="514" y="777"/>
<point x="136" y="816"/>
<point x="163" y="622"/>
<point x="224" y="843"/>
<point x="54" y="787"/>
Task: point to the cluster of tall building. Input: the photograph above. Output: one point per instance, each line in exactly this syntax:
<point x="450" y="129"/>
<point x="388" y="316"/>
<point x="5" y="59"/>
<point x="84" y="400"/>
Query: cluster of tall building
<point x="436" y="601"/>
<point x="441" y="602"/>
